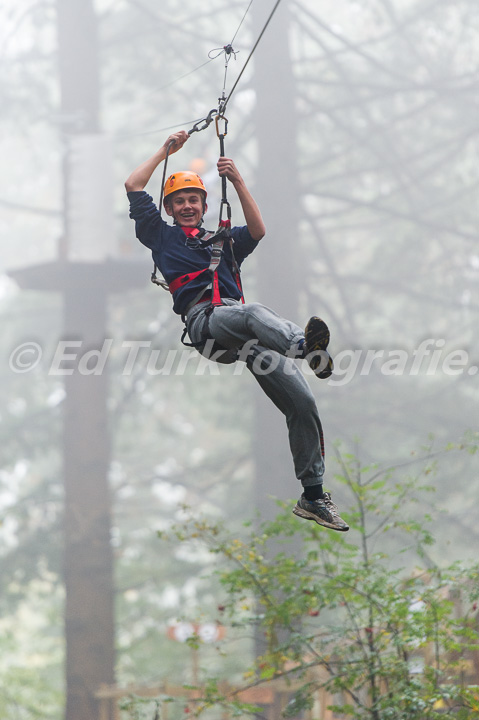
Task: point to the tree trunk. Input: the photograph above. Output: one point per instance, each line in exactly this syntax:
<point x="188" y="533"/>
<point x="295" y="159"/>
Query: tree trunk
<point x="88" y="559"/>
<point x="88" y="562"/>
<point x="278" y="254"/>
<point x="277" y="183"/>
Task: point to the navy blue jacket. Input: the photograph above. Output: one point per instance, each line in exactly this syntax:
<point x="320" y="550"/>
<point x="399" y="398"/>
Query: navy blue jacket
<point x="174" y="257"/>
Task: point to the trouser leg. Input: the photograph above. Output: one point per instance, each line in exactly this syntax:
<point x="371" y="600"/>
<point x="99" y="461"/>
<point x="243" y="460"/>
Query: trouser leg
<point x="283" y="382"/>
<point x="232" y="325"/>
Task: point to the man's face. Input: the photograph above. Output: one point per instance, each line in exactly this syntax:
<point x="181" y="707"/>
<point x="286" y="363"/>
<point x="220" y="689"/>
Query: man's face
<point x="186" y="207"/>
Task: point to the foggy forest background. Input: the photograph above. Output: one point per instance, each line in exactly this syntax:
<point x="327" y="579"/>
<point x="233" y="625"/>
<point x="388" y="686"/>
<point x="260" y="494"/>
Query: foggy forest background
<point x="356" y="127"/>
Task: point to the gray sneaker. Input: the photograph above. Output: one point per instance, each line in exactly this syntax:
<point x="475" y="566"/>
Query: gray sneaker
<point x="322" y="511"/>
<point x="316" y="340"/>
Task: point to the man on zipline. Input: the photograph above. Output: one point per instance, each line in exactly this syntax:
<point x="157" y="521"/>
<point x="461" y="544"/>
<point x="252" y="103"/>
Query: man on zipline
<point x="246" y="331"/>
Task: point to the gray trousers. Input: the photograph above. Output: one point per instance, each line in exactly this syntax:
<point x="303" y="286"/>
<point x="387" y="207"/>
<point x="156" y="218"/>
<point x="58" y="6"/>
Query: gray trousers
<point x="261" y="338"/>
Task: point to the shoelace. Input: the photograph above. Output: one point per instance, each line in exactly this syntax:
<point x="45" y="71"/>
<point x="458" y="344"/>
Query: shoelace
<point x="333" y="509"/>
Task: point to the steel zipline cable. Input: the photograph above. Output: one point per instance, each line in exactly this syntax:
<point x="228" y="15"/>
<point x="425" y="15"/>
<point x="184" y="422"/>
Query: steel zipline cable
<point x="242" y="21"/>
<point x="223" y="107"/>
<point x="224" y="100"/>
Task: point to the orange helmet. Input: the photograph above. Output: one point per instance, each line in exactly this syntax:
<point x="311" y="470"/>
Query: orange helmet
<point x="183" y="181"/>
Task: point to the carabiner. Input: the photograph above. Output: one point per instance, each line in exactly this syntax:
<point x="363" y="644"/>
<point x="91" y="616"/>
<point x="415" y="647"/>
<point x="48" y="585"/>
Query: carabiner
<point x="224" y="202"/>
<point x="206" y="121"/>
<point x="219" y="117"/>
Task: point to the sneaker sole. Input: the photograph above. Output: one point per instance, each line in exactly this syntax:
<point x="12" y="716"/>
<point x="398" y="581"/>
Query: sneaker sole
<point x="317" y="338"/>
<point x="297" y="510"/>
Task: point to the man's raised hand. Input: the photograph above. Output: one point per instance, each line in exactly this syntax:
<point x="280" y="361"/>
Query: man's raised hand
<point x="178" y="138"/>
<point x="227" y="168"/>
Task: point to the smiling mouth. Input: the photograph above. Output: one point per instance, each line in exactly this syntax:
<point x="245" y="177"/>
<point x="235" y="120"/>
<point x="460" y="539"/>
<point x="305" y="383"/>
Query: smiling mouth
<point x="188" y="219"/>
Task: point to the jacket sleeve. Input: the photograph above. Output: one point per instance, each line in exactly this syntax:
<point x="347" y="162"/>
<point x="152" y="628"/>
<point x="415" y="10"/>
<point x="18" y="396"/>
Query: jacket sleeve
<point x="148" y="221"/>
<point x="243" y="243"/>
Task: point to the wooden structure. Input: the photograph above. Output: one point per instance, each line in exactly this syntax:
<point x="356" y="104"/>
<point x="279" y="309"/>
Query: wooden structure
<point x="272" y="696"/>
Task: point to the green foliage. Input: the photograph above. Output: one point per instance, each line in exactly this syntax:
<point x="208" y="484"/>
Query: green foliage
<point x="339" y="613"/>
<point x="31" y="649"/>
<point x="26" y="694"/>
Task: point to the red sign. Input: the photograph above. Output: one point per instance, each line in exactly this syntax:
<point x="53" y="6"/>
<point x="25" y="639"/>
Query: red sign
<point x="206" y="632"/>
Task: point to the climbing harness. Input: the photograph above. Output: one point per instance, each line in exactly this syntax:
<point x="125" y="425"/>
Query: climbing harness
<point x="223" y="234"/>
<point x="217" y="239"/>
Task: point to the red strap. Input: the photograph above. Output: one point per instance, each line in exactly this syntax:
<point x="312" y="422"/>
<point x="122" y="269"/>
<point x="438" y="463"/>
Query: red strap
<point x="215" y="298"/>
<point x="240" y="287"/>
<point x="184" y="280"/>
<point x="215" y="295"/>
<point x="190" y="232"/>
